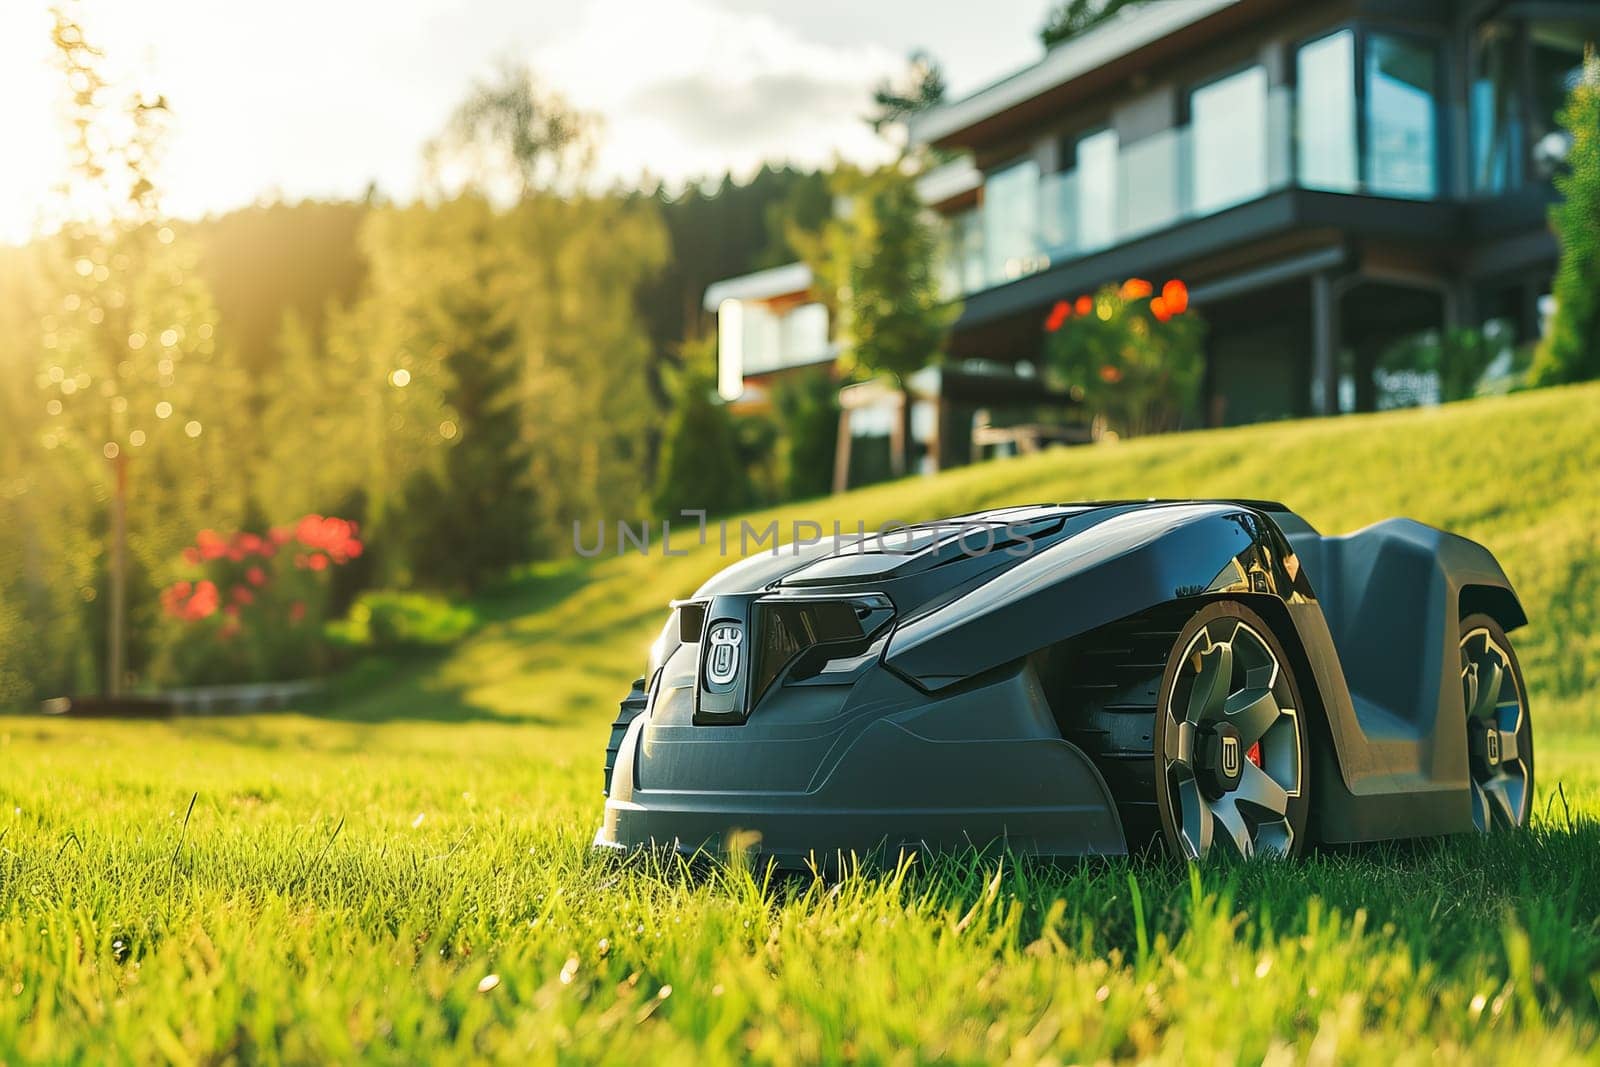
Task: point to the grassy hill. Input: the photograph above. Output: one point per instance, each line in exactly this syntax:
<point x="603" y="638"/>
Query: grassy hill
<point x="1520" y="474"/>
<point x="403" y="873"/>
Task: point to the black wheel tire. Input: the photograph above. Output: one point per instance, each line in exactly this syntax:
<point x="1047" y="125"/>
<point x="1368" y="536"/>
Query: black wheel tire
<point x="1264" y="809"/>
<point x="630" y="708"/>
<point x="1502" y="788"/>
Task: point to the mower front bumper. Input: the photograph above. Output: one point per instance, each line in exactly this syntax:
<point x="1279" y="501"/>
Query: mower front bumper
<point x="972" y="770"/>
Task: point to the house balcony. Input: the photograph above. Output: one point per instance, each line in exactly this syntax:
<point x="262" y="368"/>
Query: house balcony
<point x="1245" y="146"/>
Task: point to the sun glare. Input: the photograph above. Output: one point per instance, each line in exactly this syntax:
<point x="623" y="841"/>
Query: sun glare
<point x="32" y="157"/>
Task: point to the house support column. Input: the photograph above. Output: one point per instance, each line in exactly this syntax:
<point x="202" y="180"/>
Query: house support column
<point x="936" y="442"/>
<point x="1324" y="345"/>
<point x="841" y="453"/>
<point x="899" y="431"/>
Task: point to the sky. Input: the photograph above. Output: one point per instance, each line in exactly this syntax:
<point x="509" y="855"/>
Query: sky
<point x="319" y="98"/>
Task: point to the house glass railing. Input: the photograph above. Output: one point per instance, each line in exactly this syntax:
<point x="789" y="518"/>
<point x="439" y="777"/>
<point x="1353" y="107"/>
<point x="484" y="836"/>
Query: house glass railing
<point x="1240" y="144"/>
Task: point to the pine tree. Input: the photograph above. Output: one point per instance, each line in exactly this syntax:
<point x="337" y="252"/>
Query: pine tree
<point x="808" y="413"/>
<point x="474" y="516"/>
<point x="1070" y="18"/>
<point x="1570" y="352"/>
<point x="701" y="466"/>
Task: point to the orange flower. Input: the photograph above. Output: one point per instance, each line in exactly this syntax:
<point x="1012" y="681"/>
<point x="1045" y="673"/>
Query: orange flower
<point x="211" y="544"/>
<point x="308" y="530"/>
<point x="1058" y="315"/>
<point x="256" y="577"/>
<point x="204" y="602"/>
<point x="1158" y="308"/>
<point x="173" y="596"/>
<point x="1110" y="375"/>
<point x="1136" y="289"/>
<point x="1176" y="296"/>
<point x="1084" y="305"/>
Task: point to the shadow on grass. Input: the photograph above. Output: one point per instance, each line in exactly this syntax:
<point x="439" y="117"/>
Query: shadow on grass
<point x="391" y="689"/>
<point x="532" y="588"/>
<point x="1447" y="900"/>
<point x="396" y="687"/>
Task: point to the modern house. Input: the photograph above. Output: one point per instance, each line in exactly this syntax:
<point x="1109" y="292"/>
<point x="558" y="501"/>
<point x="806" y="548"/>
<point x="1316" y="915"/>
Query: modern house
<point x="1329" y="177"/>
<point x="769" y="324"/>
<point x="773" y="324"/>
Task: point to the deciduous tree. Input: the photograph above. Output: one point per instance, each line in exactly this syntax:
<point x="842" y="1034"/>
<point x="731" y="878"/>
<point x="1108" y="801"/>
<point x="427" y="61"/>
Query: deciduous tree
<point x="126" y="332"/>
<point x="875" y="263"/>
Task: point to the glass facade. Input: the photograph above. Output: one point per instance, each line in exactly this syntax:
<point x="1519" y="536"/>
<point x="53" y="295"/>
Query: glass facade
<point x="1555" y="60"/>
<point x="1495" y="109"/>
<point x="1362" y="110"/>
<point x="961" y="258"/>
<point x="1228" y="124"/>
<point x="1402" y="144"/>
<point x="1325" y="113"/>
<point x="1150" y="187"/>
<point x="1556" y="52"/>
<point x="1097" y="189"/>
<point x="1521" y="75"/>
<point x="1011" y="220"/>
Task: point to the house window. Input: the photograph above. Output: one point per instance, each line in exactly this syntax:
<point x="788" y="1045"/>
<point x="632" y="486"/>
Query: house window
<point x="1555" y="58"/>
<point x="1496" y="109"/>
<point x="1326" y="113"/>
<point x="1097" y="190"/>
<point x="961" y="263"/>
<point x="1522" y="73"/>
<point x="1228" y="124"/>
<point x="1011" y="220"/>
<point x="1402" y="141"/>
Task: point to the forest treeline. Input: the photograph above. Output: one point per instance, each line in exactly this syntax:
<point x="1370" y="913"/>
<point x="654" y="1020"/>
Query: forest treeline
<point x="463" y="379"/>
<point x="450" y="383"/>
<point x="229" y="445"/>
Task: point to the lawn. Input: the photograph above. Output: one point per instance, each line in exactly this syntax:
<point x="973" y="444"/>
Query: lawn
<point x="402" y="872"/>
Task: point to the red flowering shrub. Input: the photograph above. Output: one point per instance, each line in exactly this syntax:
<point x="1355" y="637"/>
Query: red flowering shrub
<point x="1133" y="354"/>
<point x="259" y="596"/>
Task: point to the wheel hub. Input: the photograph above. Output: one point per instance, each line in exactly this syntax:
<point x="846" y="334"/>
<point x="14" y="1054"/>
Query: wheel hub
<point x="1232" y="758"/>
<point x="1486" y="747"/>
<point x="1219" y="759"/>
<point x="1498" y="759"/>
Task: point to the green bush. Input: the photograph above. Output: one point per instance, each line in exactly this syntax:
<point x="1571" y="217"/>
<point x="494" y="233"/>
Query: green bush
<point x="808" y="406"/>
<point x="703" y="453"/>
<point x="390" y="621"/>
<point x="1570" y="351"/>
<point x="1134" y="355"/>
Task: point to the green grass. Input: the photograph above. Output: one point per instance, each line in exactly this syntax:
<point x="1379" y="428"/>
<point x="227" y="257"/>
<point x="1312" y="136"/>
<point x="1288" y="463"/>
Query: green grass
<point x="347" y="879"/>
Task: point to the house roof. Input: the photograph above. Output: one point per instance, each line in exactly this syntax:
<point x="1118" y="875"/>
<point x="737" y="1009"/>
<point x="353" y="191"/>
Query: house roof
<point x="791" y="279"/>
<point x="1130" y="29"/>
<point x="952" y="183"/>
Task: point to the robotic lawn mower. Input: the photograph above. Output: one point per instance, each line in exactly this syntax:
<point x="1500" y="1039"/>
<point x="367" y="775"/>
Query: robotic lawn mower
<point x="1082" y="679"/>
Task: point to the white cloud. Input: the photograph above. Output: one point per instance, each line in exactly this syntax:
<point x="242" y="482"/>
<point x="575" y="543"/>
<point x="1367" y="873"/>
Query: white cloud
<point x="686" y="89"/>
<point x="317" y="98"/>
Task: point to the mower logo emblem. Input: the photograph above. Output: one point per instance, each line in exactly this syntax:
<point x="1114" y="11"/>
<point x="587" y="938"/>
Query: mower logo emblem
<point x="722" y="661"/>
<point x="1230" y="755"/>
<point x="1492" y="747"/>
